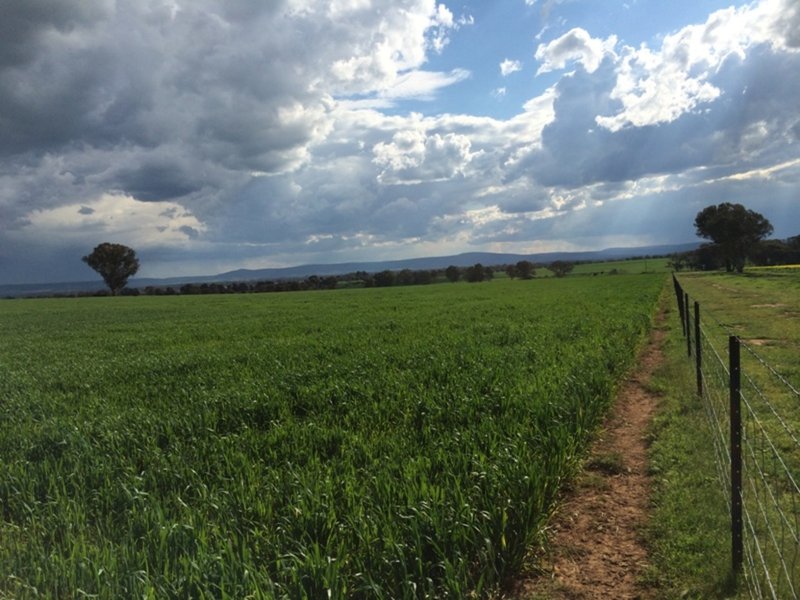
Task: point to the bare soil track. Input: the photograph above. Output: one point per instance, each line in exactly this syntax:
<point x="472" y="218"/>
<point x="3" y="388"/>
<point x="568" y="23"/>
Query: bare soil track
<point x="596" y="546"/>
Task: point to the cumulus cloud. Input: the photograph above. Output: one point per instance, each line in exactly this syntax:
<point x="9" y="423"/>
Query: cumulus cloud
<point x="575" y="45"/>
<point x="659" y="86"/>
<point x="413" y="156"/>
<point x="508" y="66"/>
<point x="711" y="94"/>
<point x="237" y="83"/>
<point x="169" y="101"/>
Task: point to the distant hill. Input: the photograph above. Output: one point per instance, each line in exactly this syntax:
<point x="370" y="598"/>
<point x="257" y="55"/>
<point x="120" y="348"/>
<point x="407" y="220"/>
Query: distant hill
<point x="442" y="262"/>
<point x="303" y="271"/>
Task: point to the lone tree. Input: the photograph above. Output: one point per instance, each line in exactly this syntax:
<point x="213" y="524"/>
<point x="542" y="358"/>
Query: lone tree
<point x="734" y="229"/>
<point x="560" y="267"/>
<point x="525" y="269"/>
<point x="115" y="263"/>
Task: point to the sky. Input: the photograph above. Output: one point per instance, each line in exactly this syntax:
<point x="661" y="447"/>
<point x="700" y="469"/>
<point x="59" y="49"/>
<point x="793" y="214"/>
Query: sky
<point x="212" y="135"/>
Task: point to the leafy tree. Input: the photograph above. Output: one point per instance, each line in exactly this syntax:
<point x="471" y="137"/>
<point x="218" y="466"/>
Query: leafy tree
<point x="705" y="258"/>
<point x="734" y="229"/>
<point x="423" y="277"/>
<point x="678" y="261"/>
<point x="385" y="278"/>
<point x="560" y="267"/>
<point x="511" y="271"/>
<point x="115" y="263"/>
<point x="404" y="277"/>
<point x="452" y="273"/>
<point x="475" y="273"/>
<point x="525" y="269"/>
<point x="365" y="278"/>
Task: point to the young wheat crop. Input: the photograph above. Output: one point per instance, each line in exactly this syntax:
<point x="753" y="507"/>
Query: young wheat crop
<point x="379" y="443"/>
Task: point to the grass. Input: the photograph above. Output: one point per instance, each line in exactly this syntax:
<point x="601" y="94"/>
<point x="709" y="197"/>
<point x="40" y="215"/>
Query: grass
<point x="613" y="267"/>
<point x="630" y="267"/>
<point x="380" y="443"/>
<point x="761" y="308"/>
<point x="688" y="531"/>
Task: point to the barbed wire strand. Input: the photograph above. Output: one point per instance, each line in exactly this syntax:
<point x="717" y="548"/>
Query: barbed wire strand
<point x="769" y="493"/>
<point x="778" y="531"/>
<point x="769" y="367"/>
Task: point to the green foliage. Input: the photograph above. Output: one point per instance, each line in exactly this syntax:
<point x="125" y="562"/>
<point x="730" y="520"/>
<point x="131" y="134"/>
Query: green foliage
<point x="525" y="269"/>
<point x="477" y="273"/>
<point x="115" y="263"/>
<point x="561" y="268"/>
<point x="364" y="443"/>
<point x="688" y="533"/>
<point x="734" y="229"/>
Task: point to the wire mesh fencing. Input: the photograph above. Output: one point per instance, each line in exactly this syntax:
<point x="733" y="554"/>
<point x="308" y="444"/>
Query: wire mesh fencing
<point x="754" y="412"/>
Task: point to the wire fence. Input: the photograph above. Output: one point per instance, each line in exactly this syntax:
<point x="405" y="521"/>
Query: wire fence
<point x="753" y="412"/>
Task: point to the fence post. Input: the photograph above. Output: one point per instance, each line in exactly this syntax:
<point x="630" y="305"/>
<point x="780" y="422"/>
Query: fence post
<point x="688" y="331"/>
<point x="697" y="349"/>
<point x="737" y="546"/>
<point x="679" y="297"/>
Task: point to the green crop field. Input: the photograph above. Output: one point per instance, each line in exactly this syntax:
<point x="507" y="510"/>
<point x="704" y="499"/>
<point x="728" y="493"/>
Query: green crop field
<point x="373" y="443"/>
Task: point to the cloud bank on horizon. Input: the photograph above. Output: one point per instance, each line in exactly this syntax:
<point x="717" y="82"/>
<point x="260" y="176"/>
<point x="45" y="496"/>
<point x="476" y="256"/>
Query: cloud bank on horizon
<point x="211" y="135"/>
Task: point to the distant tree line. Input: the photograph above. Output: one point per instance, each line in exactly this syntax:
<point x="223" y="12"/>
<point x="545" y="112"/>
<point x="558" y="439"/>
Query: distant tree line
<point x="359" y="279"/>
<point x="362" y="279"/>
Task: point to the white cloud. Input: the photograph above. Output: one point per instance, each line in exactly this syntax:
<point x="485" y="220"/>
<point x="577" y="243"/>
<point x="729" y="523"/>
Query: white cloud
<point x="508" y="66"/>
<point x="117" y="217"/>
<point x="575" y="45"/>
<point x="653" y="91"/>
<point x="659" y="86"/>
<point x="383" y="44"/>
<point x="414" y="156"/>
<point x="422" y="85"/>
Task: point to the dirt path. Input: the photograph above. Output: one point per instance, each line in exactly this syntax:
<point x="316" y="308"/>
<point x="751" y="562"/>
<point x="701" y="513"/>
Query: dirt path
<point x="596" y="542"/>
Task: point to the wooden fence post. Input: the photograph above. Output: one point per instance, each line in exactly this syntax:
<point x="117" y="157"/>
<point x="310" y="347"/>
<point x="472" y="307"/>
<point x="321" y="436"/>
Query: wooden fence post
<point x="679" y="297"/>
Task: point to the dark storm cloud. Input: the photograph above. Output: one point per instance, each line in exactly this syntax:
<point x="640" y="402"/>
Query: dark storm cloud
<point x="23" y="24"/>
<point x="156" y="181"/>
<point x="86" y="82"/>
<point x="83" y="75"/>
